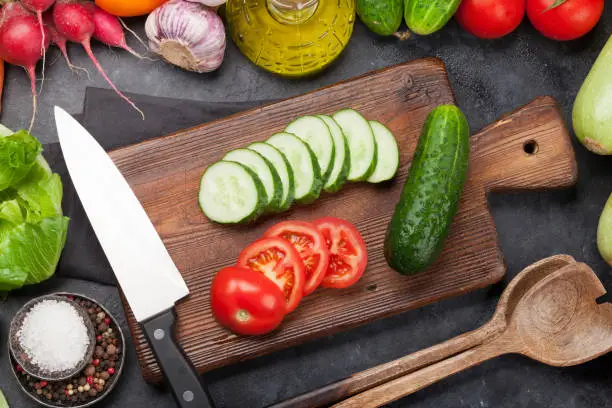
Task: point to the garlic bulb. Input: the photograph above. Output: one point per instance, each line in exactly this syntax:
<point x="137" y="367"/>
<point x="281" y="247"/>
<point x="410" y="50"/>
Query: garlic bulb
<point x="209" y="3"/>
<point x="187" y="34"/>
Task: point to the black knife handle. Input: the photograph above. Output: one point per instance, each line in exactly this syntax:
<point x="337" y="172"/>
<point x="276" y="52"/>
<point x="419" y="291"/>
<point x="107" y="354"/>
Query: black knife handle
<point x="180" y="373"/>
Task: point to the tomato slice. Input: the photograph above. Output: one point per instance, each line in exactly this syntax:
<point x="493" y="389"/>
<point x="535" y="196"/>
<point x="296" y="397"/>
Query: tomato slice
<point x="246" y="302"/>
<point x="279" y="261"/>
<point x="311" y="246"/>
<point x="348" y="255"/>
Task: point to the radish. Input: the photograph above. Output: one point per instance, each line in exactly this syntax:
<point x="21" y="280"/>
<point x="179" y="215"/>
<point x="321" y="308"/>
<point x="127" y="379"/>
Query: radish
<point x="109" y="30"/>
<point x="20" y="39"/>
<point x="74" y="21"/>
<point x="12" y="9"/>
<point x="39" y="7"/>
<point x="60" y="41"/>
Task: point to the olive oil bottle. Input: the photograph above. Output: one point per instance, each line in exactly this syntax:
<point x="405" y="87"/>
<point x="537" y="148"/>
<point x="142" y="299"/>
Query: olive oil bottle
<point x="291" y="37"/>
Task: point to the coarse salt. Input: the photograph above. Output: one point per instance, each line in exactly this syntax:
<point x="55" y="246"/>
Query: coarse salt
<point x="54" y="336"/>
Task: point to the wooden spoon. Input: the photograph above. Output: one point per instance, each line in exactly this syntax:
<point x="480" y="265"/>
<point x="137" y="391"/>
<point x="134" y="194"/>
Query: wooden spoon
<point x="383" y="373"/>
<point x="557" y="321"/>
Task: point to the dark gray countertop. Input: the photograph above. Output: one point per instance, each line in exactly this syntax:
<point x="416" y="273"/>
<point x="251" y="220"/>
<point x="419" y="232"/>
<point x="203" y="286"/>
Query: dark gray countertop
<point x="489" y="78"/>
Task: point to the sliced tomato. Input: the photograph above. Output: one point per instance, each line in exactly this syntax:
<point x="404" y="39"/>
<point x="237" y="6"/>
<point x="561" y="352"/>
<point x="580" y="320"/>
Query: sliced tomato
<point x="246" y="302"/>
<point x="279" y="261"/>
<point x="348" y="255"/>
<point x="311" y="246"/>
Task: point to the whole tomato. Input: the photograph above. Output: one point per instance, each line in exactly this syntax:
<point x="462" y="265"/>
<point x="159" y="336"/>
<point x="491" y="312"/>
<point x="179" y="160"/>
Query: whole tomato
<point x="246" y="302"/>
<point x="129" y="8"/>
<point x="490" y="18"/>
<point x="564" y="20"/>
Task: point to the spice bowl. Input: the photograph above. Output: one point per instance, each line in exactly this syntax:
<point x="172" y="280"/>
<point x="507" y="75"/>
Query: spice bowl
<point x="26" y="362"/>
<point x="99" y="373"/>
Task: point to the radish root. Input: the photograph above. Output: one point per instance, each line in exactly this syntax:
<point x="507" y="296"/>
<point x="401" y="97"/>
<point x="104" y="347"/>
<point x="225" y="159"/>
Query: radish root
<point x="32" y="74"/>
<point x="129" y="30"/>
<point x="87" y="45"/>
<point x="71" y="66"/>
<point x="42" y="48"/>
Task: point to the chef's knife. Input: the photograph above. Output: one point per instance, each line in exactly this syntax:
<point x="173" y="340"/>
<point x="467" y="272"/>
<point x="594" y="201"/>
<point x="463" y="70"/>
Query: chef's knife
<point x="145" y="271"/>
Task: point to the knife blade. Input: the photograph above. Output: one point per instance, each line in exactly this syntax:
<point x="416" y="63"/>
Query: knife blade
<point x="148" y="277"/>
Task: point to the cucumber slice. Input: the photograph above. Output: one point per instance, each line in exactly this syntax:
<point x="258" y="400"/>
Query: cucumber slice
<point x="362" y="144"/>
<point x="342" y="159"/>
<point x="306" y="171"/>
<point x="231" y="193"/>
<point x="387" y="162"/>
<point x="316" y="133"/>
<point x="283" y="168"/>
<point x="264" y="170"/>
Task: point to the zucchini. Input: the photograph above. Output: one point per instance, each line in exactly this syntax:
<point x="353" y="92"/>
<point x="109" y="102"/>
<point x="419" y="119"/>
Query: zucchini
<point x="316" y="133"/>
<point x="342" y="158"/>
<point x="425" y="17"/>
<point x="231" y="193"/>
<point x="382" y="17"/>
<point x="362" y="145"/>
<point x="264" y="170"/>
<point x="422" y="218"/>
<point x="306" y="171"/>
<point x="283" y="168"/>
<point x="387" y="162"/>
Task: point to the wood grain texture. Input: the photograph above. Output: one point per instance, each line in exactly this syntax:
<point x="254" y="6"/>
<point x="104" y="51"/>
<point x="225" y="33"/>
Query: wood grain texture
<point x="556" y="320"/>
<point x="165" y="175"/>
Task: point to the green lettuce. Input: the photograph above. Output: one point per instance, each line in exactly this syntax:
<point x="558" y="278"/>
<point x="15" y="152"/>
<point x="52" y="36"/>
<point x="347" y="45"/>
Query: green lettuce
<point x="32" y="227"/>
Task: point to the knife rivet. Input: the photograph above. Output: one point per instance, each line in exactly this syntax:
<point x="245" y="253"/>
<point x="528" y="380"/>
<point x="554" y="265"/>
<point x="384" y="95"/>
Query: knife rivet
<point x="188" y="396"/>
<point x="159" y="334"/>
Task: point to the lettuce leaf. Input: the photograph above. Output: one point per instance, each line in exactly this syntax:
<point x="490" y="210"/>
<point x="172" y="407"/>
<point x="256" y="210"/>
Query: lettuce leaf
<point x="32" y="228"/>
<point x="18" y="153"/>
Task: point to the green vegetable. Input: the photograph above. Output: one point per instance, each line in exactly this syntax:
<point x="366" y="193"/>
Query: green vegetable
<point x="604" y="233"/>
<point x="592" y="114"/>
<point x="430" y="197"/>
<point x="3" y="402"/>
<point x="382" y="17"/>
<point x="425" y="17"/>
<point x="32" y="227"/>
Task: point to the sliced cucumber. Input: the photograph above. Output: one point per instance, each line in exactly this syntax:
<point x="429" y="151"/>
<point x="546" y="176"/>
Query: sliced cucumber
<point x="362" y="144"/>
<point x="387" y="162"/>
<point x="283" y="168"/>
<point x="342" y="159"/>
<point x="306" y="171"/>
<point x="231" y="193"/>
<point x="316" y="133"/>
<point x="264" y="170"/>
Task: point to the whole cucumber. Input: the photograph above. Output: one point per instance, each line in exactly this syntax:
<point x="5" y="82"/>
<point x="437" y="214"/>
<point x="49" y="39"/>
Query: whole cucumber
<point x="430" y="197"/>
<point x="425" y="17"/>
<point x="604" y="232"/>
<point x="592" y="114"/>
<point x="382" y="17"/>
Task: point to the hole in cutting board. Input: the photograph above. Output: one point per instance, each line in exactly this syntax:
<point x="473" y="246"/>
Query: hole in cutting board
<point x="530" y="147"/>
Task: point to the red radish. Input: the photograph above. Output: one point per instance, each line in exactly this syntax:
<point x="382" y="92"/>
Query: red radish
<point x="39" y="7"/>
<point x="109" y="30"/>
<point x="74" y="21"/>
<point x="20" y="39"/>
<point x="12" y="9"/>
<point x="58" y="40"/>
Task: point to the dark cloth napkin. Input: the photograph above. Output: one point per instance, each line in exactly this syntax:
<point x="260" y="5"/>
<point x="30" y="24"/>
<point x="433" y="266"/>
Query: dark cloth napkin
<point x="114" y="124"/>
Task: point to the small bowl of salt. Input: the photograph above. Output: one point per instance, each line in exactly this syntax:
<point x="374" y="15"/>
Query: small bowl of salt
<point x="52" y="338"/>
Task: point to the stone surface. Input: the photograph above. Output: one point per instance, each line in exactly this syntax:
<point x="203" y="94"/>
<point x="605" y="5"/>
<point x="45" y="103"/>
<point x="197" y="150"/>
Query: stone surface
<point x="489" y="78"/>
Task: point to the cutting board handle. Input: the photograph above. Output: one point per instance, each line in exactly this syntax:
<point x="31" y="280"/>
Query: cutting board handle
<point x="527" y="149"/>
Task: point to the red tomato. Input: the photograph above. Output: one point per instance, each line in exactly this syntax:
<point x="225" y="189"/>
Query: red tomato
<point x="490" y="18"/>
<point x="311" y="246"/>
<point x="567" y="21"/>
<point x="278" y="260"/>
<point x="246" y="302"/>
<point x="348" y="255"/>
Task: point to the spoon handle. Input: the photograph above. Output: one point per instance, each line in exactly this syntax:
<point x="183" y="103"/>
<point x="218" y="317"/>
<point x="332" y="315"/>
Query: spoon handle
<point x="413" y="382"/>
<point x="383" y="373"/>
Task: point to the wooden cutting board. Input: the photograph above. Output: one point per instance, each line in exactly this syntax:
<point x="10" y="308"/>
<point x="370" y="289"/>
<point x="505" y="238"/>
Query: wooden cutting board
<point x="528" y="149"/>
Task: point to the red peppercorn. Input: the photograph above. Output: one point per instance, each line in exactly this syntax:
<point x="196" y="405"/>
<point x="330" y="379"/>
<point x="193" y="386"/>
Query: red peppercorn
<point x="71" y="297"/>
<point x="107" y="320"/>
<point x="96" y="362"/>
<point x="43" y="384"/>
<point x="67" y="392"/>
<point x="111" y="371"/>
<point x="99" y="337"/>
<point x="90" y="379"/>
